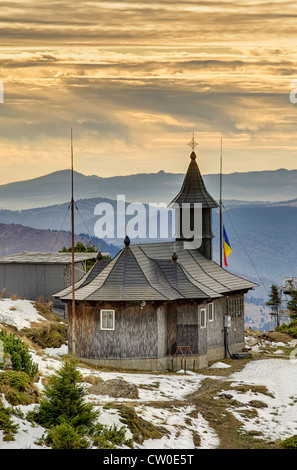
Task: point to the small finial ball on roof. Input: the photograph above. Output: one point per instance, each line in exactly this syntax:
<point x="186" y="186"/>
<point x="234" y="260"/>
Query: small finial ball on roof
<point x="193" y="156"/>
<point x="99" y="256"/>
<point x="174" y="257"/>
<point x="127" y="240"/>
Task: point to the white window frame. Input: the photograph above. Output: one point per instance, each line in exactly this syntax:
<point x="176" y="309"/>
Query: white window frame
<point x="112" y="319"/>
<point x="210" y="309"/>
<point x="203" y="312"/>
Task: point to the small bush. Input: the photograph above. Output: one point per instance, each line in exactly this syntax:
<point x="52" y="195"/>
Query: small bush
<point x="65" y="436"/>
<point x="6" y="424"/>
<point x="109" y="438"/>
<point x="290" y="328"/>
<point x="8" y="437"/>
<point x="19" y="352"/>
<point x="51" y="335"/>
<point x="17" y="388"/>
<point x="290" y="443"/>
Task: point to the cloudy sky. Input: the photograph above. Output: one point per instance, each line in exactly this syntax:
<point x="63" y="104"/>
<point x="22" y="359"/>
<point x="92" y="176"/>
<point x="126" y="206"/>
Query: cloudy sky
<point x="134" y="79"/>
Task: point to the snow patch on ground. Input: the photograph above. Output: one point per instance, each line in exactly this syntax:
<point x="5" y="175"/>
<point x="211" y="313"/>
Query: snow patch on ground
<point x="220" y="365"/>
<point x="185" y="426"/>
<point x="279" y="418"/>
<point x="152" y="387"/>
<point x="181" y="425"/>
<point x="19" y="313"/>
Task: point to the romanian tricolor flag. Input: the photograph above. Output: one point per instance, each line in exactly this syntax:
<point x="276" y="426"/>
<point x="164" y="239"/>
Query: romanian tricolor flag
<point x="227" y="246"/>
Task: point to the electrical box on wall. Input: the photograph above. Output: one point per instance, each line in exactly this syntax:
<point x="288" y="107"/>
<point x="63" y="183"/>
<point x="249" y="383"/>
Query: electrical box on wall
<point x="227" y="321"/>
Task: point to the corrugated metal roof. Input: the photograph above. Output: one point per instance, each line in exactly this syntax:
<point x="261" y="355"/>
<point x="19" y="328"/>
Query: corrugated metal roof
<point x="46" y="258"/>
<point x="147" y="272"/>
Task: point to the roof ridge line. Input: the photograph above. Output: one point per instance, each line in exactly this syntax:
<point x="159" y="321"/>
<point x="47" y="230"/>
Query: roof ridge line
<point x="199" y="282"/>
<point x="219" y="282"/>
<point x="160" y="270"/>
<point x="113" y="260"/>
<point x="188" y="276"/>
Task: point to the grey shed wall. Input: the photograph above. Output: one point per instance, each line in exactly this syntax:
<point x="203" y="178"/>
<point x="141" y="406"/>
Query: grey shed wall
<point x="34" y="280"/>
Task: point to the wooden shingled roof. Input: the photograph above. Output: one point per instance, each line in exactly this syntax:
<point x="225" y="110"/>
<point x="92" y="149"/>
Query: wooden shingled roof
<point x="193" y="189"/>
<point x="148" y="272"/>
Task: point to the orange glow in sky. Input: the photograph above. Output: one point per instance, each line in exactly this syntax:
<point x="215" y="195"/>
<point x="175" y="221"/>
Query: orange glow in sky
<point x="135" y="79"/>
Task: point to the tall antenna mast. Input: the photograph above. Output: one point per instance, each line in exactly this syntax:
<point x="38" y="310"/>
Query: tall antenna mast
<point x="72" y="245"/>
<point x="221" y="227"/>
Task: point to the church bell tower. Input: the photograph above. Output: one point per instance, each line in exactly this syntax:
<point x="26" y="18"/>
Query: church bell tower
<point x="194" y="191"/>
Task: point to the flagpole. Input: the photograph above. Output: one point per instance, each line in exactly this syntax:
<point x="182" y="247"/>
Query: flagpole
<point x="72" y="244"/>
<point x="221" y="233"/>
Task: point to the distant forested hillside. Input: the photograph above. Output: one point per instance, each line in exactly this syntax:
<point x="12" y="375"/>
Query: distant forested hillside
<point x="18" y="238"/>
<point x="263" y="237"/>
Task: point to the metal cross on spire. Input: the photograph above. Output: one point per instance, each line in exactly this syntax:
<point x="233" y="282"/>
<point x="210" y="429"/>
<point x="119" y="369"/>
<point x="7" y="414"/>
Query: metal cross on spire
<point x="193" y="143"/>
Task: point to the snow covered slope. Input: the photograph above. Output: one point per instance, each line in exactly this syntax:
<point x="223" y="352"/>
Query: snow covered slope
<point x="272" y="408"/>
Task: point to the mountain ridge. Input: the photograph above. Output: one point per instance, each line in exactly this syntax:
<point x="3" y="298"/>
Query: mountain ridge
<point x="55" y="188"/>
<point x="264" y="232"/>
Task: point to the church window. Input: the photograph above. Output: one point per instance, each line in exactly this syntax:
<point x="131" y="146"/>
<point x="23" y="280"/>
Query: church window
<point x="235" y="307"/>
<point x="210" y="311"/>
<point x="203" y="318"/>
<point x="107" y="318"/>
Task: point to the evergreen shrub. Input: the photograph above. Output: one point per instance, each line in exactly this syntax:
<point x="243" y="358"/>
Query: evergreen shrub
<point x="19" y="353"/>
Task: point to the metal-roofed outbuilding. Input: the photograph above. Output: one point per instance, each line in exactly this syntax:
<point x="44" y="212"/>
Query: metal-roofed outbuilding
<point x="34" y="275"/>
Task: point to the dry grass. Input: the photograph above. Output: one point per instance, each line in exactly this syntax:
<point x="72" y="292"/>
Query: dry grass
<point x="16" y="297"/>
<point x="52" y="332"/>
<point x="2" y="293"/>
<point x="277" y="336"/>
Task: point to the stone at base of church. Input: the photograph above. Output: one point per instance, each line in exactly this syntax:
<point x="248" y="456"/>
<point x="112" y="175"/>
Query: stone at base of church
<point x="167" y="363"/>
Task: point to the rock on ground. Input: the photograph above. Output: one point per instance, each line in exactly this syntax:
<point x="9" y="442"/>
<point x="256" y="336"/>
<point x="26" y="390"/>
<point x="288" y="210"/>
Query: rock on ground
<point x="115" y="388"/>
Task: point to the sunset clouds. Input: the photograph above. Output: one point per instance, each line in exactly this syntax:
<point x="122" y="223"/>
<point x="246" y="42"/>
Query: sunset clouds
<point x="135" y="79"/>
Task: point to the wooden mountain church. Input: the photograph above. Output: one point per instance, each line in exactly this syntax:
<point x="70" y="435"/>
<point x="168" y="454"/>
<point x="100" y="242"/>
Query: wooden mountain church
<point x="137" y="310"/>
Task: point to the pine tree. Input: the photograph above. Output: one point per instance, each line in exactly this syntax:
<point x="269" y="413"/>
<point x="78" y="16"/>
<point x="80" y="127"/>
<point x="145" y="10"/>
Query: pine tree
<point x="274" y="302"/>
<point x="63" y="400"/>
<point x="292" y="304"/>
<point x="81" y="248"/>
